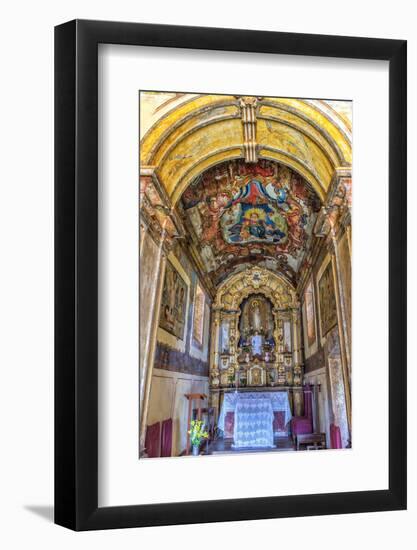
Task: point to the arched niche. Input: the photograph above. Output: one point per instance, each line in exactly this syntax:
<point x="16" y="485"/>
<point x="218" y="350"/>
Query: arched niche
<point x="256" y="314"/>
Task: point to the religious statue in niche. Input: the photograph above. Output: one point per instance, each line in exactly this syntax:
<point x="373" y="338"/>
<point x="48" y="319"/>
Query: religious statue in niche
<point x="173" y="303"/>
<point x="256" y="343"/>
<point x="256" y="325"/>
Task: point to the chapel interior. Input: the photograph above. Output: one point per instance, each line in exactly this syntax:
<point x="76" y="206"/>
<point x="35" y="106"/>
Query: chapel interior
<point x="245" y="273"/>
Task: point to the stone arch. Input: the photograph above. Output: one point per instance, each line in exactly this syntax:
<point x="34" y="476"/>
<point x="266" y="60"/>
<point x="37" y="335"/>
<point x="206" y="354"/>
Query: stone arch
<point x="207" y="129"/>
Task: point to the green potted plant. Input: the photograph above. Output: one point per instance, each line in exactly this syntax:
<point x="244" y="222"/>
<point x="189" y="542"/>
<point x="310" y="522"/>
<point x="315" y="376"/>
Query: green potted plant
<point x="197" y="434"/>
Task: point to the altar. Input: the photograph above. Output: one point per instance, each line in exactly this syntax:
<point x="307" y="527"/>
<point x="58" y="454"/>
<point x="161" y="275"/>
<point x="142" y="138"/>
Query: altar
<point x="254" y="416"/>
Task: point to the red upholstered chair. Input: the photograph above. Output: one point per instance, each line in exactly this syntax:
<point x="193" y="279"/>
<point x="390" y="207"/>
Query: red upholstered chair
<point x="301" y="425"/>
<point x="166" y="437"/>
<point x="153" y="440"/>
<point x="335" y="437"/>
<point x="304" y="424"/>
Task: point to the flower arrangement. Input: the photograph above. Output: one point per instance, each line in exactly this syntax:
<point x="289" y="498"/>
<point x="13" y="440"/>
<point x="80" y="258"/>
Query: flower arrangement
<point x="197" y="432"/>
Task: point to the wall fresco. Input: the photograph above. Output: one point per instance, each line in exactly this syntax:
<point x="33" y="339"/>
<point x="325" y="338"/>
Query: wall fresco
<point x="246" y="213"/>
<point x="170" y="359"/>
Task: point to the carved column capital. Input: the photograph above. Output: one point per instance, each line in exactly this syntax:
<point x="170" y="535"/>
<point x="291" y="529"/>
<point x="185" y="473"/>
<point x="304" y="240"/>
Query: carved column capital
<point x="337" y="204"/>
<point x="156" y="210"/>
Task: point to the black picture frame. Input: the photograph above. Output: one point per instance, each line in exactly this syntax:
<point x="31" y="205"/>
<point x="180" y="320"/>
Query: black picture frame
<point x="76" y="272"/>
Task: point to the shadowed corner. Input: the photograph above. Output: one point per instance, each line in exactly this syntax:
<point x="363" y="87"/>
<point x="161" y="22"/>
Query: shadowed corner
<point x="45" y="512"/>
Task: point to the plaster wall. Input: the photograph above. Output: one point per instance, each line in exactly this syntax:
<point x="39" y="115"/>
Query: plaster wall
<point x="168" y="400"/>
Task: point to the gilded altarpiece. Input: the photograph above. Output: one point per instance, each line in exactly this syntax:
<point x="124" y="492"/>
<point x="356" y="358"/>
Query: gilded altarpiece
<point x="255" y="336"/>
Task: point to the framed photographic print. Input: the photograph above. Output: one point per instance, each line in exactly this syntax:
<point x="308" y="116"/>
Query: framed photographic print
<point x="230" y="275"/>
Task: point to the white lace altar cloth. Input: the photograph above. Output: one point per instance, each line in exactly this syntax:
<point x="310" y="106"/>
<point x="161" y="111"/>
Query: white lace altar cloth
<point x="254" y="416"/>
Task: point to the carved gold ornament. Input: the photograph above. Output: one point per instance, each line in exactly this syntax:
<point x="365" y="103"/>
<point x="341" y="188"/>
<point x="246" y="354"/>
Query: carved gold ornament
<point x="255" y="280"/>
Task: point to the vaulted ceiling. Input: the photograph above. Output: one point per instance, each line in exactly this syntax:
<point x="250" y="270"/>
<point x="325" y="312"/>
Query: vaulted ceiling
<point x="241" y="214"/>
<point x="182" y="135"/>
<point x="246" y="174"/>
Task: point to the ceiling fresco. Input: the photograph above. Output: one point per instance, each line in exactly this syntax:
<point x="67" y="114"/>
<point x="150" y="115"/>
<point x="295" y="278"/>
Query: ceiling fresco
<point x="244" y="214"/>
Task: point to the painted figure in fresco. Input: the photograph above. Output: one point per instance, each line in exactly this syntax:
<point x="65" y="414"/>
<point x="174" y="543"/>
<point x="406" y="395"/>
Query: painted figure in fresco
<point x="180" y="301"/>
<point x="296" y="222"/>
<point x="281" y="195"/>
<point x="294" y="212"/>
<point x="169" y="317"/>
<point x="254" y="215"/>
<point x="258" y="225"/>
<point x="263" y="168"/>
<point x="254" y="225"/>
<point x="211" y="212"/>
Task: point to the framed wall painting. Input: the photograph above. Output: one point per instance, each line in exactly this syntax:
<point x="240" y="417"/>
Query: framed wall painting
<point x="309" y="312"/>
<point x="199" y="315"/>
<point x="173" y="303"/>
<point x="244" y="188"/>
<point x="327" y="299"/>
